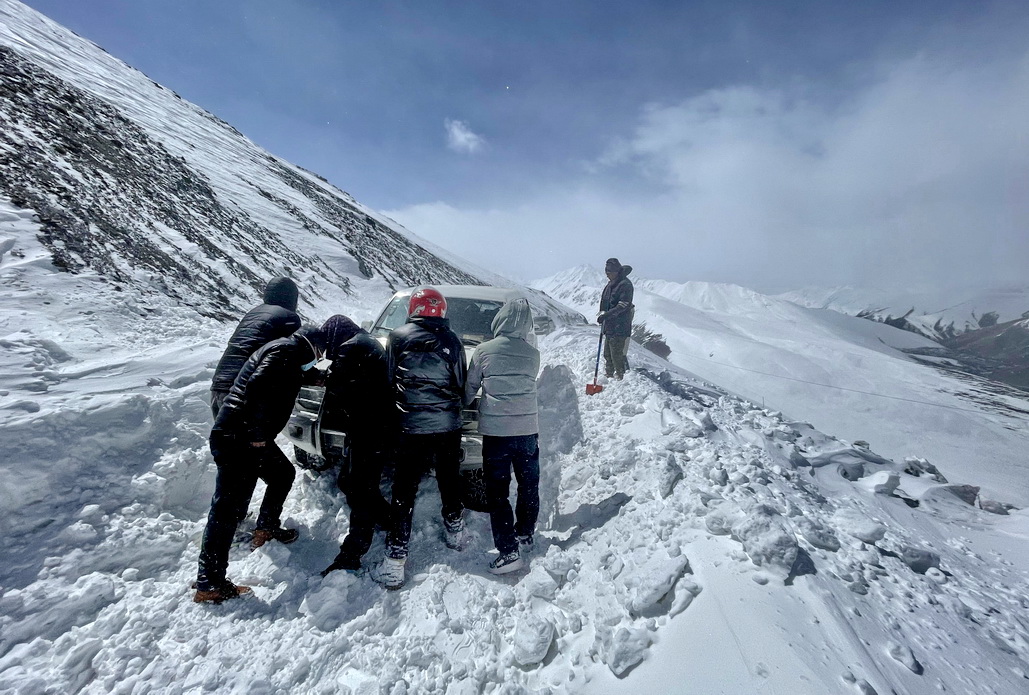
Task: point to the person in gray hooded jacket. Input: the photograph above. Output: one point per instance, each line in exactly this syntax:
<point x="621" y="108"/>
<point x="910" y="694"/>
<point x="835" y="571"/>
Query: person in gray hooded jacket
<point x="506" y="367"/>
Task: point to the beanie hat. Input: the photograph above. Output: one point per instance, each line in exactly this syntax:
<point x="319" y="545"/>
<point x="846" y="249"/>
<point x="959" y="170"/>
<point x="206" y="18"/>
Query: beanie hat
<point x="613" y="265"/>
<point x="282" y="292"/>
<point x="338" y="329"/>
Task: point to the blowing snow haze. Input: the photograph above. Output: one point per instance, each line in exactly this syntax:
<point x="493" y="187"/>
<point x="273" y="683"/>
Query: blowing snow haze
<point x="795" y="500"/>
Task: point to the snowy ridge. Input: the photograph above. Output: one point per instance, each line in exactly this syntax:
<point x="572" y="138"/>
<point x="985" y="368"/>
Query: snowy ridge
<point x="131" y="181"/>
<point x="930" y="313"/>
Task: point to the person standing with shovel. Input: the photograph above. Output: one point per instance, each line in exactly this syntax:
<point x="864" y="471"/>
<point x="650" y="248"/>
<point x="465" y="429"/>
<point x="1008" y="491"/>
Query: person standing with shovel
<point x="615" y="317"/>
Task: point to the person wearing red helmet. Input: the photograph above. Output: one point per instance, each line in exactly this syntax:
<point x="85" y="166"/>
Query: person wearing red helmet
<point x="426" y="366"/>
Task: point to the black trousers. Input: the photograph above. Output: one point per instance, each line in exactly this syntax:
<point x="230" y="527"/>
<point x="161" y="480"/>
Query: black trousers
<point x="359" y="478"/>
<point x="501" y="456"/>
<point x="416" y="454"/>
<point x="239" y="467"/>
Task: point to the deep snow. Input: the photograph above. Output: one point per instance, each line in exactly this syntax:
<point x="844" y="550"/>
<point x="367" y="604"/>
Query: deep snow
<point x="691" y="541"/>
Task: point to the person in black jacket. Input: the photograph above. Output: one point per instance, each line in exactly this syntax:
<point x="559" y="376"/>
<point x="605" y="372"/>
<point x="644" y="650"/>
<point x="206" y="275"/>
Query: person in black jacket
<point x="426" y="365"/>
<point x="615" y="318"/>
<point x="358" y="401"/>
<point x="243" y="444"/>
<point x="276" y="318"/>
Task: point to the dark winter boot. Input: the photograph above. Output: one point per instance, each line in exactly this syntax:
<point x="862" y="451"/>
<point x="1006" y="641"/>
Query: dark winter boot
<point x="511" y="562"/>
<point x="390" y="572"/>
<point x="453" y="534"/>
<point x="226" y="591"/>
<point x="282" y="535"/>
<point x="343" y="561"/>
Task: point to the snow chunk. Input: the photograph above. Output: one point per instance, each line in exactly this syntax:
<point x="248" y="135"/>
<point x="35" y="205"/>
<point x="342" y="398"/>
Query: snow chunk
<point x="720" y="520"/>
<point x="767" y="539"/>
<point x="858" y="525"/>
<point x="326" y="607"/>
<point x="651" y="581"/>
<point x="919" y="560"/>
<point x="560" y="424"/>
<point x="532" y="639"/>
<point x="817" y="533"/>
<point x="903" y="655"/>
<point x="881" y="483"/>
<point x="623" y="648"/>
<point x="539" y="583"/>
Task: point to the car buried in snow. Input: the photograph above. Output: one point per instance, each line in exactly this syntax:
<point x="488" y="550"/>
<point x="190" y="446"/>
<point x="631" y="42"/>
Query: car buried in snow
<point x="470" y="309"/>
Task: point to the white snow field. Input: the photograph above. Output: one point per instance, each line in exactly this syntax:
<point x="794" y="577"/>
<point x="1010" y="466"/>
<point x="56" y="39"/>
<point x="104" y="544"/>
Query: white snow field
<point x="843" y="374"/>
<point x="690" y="542"/>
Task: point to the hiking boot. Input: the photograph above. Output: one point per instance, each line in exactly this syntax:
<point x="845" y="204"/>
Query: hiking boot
<point x="226" y="591"/>
<point x="525" y="544"/>
<point x="453" y="534"/>
<point x="390" y="572"/>
<point x="343" y="561"/>
<point x="511" y="562"/>
<point x="282" y="535"/>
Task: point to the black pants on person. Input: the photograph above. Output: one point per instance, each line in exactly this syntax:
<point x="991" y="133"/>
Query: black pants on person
<point x="501" y="455"/>
<point x="416" y="454"/>
<point x="239" y="467"/>
<point x="217" y="398"/>
<point x="359" y="478"/>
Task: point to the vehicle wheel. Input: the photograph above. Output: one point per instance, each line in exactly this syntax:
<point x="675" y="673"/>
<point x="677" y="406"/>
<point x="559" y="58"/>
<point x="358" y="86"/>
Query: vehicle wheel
<point x="473" y="490"/>
<point x="310" y="462"/>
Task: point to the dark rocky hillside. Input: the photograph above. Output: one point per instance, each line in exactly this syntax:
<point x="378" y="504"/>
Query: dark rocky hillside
<point x="112" y="197"/>
<point x="1004" y="347"/>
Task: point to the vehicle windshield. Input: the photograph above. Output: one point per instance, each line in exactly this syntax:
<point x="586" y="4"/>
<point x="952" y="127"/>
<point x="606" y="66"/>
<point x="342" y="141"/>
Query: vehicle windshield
<point x="471" y="319"/>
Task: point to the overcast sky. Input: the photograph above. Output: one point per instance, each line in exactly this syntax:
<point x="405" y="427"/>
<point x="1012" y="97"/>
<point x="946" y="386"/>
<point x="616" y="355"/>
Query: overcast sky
<point x="770" y="144"/>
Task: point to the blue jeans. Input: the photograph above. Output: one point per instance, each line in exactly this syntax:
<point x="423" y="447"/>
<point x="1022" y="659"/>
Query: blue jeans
<point x="501" y="455"/>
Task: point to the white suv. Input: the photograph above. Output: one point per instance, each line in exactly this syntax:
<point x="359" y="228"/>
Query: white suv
<point x="470" y="309"/>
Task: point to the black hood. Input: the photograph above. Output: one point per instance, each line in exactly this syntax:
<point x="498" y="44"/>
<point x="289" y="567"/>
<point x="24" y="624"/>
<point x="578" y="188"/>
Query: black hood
<point x="282" y="292"/>
<point x="338" y="329"/>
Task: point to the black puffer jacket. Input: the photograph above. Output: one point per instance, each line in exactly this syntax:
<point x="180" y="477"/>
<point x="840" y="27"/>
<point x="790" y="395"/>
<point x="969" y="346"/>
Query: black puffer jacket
<point x="358" y="393"/>
<point x="426" y="365"/>
<point x="257" y="327"/>
<point x="261" y="399"/>
<point x="616" y="305"/>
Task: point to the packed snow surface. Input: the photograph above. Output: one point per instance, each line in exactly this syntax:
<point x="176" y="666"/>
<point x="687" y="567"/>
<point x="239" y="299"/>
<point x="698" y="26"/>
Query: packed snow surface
<point x="690" y="540"/>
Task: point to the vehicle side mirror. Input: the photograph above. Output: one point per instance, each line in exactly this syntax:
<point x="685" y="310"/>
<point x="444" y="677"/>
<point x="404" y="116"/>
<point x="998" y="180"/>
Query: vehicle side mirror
<point x="366" y="325"/>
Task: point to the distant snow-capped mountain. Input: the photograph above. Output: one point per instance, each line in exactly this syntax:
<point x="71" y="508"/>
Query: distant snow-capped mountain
<point x="935" y="314"/>
<point x="128" y="179"/>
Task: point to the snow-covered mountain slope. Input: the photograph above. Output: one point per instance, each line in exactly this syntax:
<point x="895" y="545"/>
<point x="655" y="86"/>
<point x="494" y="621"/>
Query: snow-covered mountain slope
<point x="687" y="536"/>
<point x="845" y="375"/>
<point x="935" y="314"/>
<point x="131" y="181"/>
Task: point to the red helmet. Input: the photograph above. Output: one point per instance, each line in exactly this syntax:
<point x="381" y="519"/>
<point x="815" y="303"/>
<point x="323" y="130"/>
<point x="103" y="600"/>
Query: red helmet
<point x="427" y="301"/>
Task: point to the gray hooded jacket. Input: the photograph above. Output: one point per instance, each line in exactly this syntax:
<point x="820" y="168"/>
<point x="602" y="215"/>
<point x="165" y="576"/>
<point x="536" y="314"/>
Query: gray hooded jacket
<point x="506" y="368"/>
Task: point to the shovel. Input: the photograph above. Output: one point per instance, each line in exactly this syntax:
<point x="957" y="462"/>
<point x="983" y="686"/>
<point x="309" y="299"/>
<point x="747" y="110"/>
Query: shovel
<point x="595" y="387"/>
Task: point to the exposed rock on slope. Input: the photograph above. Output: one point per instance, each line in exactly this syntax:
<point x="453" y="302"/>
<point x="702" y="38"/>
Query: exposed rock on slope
<point x="111" y="195"/>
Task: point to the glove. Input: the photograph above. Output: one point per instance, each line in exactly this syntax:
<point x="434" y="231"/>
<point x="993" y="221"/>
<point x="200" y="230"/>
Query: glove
<point x="601" y="316"/>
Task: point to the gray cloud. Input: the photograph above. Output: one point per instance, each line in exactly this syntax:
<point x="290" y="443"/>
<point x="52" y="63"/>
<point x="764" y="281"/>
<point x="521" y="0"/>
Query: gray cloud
<point x="922" y="175"/>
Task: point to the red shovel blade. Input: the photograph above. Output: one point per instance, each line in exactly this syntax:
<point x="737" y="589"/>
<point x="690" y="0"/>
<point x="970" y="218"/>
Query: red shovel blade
<point x="593" y="388"/>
